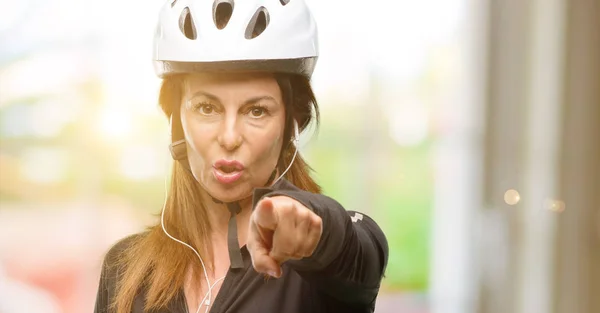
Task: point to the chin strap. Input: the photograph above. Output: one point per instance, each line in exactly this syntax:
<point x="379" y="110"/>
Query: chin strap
<point x="235" y="256"/>
<point x="233" y="244"/>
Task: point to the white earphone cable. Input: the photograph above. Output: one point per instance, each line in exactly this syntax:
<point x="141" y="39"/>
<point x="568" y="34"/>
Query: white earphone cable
<point x="210" y="288"/>
<point x="289" y="166"/>
<point x="296" y="144"/>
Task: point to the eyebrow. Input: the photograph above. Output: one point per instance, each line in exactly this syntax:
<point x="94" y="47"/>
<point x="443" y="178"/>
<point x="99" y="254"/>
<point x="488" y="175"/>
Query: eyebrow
<point x="247" y="102"/>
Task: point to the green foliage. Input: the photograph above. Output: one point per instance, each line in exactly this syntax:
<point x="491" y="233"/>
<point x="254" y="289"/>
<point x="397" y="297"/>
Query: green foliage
<point x="391" y="184"/>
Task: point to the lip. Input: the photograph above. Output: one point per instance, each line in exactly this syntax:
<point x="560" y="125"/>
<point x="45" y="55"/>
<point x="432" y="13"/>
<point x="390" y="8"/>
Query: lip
<point x="227" y="178"/>
<point x="233" y="163"/>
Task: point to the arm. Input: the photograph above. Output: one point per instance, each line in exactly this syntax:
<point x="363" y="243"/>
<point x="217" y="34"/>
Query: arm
<point x="350" y="258"/>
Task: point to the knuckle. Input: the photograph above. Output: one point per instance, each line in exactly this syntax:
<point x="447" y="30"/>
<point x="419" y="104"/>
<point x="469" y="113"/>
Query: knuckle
<point x="288" y="208"/>
<point x="317" y="221"/>
<point x="303" y="214"/>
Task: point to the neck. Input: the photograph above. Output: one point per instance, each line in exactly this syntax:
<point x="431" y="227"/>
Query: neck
<point x="219" y="215"/>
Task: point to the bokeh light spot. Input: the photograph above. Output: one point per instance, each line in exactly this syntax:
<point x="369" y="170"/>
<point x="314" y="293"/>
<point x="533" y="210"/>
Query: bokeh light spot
<point x="512" y="197"/>
<point x="555" y="205"/>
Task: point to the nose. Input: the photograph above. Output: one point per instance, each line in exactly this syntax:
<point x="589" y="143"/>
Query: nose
<point x="230" y="137"/>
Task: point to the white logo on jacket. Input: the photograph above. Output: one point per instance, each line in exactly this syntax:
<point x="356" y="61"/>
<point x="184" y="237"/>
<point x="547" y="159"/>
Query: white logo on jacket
<point x="357" y="216"/>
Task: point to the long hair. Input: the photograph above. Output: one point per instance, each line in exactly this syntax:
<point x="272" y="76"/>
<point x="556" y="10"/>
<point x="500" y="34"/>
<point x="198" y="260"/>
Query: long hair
<point x="157" y="265"/>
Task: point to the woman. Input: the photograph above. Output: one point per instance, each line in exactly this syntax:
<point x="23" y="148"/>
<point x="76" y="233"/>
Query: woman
<point x="244" y="227"/>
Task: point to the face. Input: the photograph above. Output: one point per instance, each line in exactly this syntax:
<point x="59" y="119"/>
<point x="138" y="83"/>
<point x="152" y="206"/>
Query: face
<point x="233" y="125"/>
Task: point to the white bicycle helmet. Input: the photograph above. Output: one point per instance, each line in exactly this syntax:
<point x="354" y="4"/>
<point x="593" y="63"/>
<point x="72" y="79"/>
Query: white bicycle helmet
<point x="229" y="35"/>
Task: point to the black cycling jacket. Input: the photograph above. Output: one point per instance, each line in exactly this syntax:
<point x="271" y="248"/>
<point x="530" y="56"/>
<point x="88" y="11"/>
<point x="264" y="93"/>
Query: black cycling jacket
<point x="343" y="274"/>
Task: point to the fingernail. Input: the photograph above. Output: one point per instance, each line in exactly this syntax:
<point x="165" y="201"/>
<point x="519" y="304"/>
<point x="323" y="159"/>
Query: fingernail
<point x="273" y="274"/>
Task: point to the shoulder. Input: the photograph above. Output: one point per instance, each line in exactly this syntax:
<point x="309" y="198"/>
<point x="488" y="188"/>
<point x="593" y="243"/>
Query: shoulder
<point x="368" y="226"/>
<point x="115" y="252"/>
<point x="113" y="261"/>
<point x="110" y="272"/>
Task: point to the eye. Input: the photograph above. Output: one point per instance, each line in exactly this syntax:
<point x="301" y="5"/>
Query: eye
<point x="258" y="111"/>
<point x="205" y="108"/>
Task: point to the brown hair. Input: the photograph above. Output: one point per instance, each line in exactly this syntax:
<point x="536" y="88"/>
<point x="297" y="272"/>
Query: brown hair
<point x="157" y="264"/>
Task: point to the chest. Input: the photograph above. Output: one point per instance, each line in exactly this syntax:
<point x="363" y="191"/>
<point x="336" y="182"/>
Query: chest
<point x="202" y="287"/>
<point x="245" y="291"/>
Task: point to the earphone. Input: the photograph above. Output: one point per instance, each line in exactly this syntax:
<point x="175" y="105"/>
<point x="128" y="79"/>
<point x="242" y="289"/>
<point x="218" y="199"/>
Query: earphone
<point x="296" y="142"/>
<point x="178" y="152"/>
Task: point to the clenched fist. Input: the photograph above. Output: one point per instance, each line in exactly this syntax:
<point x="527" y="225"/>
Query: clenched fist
<point x="281" y="229"/>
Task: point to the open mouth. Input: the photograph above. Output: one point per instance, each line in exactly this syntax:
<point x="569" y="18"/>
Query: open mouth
<point x="227" y="172"/>
<point x="228" y="169"/>
<point x="228" y="166"/>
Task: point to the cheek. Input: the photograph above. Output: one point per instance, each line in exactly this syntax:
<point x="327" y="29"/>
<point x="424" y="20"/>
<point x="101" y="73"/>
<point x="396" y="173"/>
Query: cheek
<point x="272" y="149"/>
<point x="267" y="150"/>
<point x="198" y="137"/>
<point x="197" y="141"/>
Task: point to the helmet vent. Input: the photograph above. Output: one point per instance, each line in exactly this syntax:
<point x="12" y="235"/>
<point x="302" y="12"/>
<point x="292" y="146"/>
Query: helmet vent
<point x="186" y="24"/>
<point x="222" y="10"/>
<point x="283" y="2"/>
<point x="258" y="23"/>
<point x="173" y="3"/>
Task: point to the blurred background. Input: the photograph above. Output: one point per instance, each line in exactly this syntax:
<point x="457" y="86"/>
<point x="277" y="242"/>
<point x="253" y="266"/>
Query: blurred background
<point x="469" y="129"/>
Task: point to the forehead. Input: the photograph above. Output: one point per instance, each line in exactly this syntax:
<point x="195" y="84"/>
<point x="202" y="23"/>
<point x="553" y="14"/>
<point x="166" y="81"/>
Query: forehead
<point x="233" y="84"/>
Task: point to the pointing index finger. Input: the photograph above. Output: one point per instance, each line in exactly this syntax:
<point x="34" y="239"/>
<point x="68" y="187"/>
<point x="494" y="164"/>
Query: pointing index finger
<point x="265" y="215"/>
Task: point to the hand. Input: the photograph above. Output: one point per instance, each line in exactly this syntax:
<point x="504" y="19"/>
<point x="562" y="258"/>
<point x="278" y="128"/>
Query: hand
<point x="281" y="229"/>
